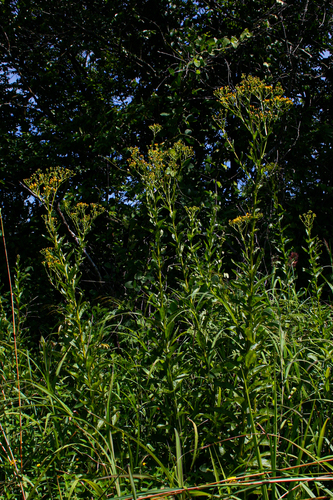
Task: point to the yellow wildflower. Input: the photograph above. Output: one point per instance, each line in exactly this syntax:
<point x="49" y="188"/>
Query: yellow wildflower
<point x="240" y="219"/>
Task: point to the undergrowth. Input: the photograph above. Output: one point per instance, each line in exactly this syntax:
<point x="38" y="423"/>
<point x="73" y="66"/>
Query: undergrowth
<point x="218" y="385"/>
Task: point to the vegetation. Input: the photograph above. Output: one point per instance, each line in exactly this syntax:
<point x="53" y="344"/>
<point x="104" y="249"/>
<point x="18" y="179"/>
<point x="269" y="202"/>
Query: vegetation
<point x="166" y="330"/>
<point x="211" y="375"/>
<point x="80" y="86"/>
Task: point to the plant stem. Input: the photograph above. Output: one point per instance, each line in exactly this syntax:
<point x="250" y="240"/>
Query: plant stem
<point x="14" y="337"/>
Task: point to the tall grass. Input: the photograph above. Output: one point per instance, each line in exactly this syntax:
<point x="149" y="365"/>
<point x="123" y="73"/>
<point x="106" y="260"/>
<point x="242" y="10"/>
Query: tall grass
<point x="220" y="385"/>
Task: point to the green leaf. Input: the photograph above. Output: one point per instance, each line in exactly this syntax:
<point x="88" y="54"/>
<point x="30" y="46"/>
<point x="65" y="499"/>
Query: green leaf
<point x="250" y="358"/>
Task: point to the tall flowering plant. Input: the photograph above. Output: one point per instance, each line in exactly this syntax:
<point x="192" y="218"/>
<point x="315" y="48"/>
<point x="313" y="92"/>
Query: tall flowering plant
<point x="258" y="107"/>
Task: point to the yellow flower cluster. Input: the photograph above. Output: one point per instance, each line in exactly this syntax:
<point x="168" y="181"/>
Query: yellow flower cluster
<point x="50" y="260"/>
<point x="240" y="219"/>
<point x="44" y="185"/>
<point x="308" y="219"/>
<point x="254" y="101"/>
<point x="161" y="163"/>
<point x="83" y="215"/>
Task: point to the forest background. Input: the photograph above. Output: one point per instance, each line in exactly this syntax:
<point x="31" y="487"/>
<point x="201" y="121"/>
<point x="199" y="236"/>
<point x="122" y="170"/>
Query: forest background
<point x="81" y="86"/>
